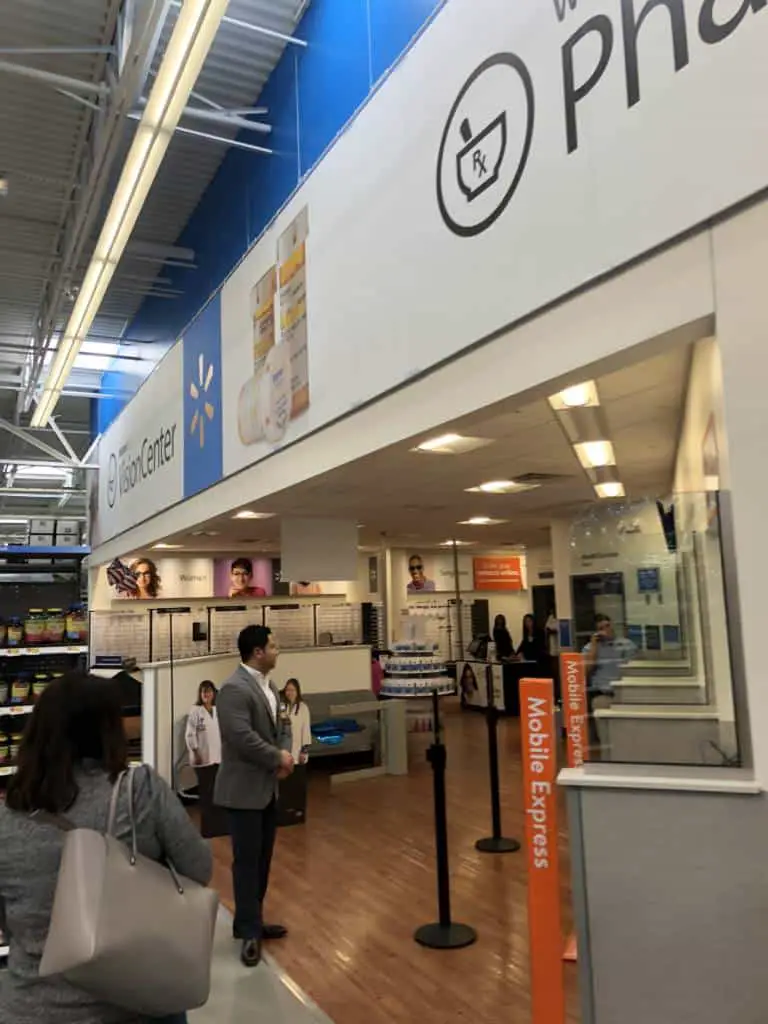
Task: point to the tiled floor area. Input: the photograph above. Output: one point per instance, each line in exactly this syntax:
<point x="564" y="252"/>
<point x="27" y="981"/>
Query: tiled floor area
<point x="261" y="996"/>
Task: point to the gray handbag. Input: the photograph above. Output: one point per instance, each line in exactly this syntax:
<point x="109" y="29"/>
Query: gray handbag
<point x="126" y="929"/>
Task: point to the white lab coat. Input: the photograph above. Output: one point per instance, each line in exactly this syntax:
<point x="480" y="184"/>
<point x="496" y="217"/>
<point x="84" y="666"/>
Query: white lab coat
<point x="203" y="737"/>
<point x="301" y="729"/>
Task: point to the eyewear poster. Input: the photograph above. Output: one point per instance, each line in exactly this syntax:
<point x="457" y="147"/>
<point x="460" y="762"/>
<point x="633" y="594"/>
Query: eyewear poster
<point x="292" y="257"/>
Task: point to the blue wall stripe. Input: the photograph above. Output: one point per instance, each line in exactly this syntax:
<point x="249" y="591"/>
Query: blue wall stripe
<point x="312" y="97"/>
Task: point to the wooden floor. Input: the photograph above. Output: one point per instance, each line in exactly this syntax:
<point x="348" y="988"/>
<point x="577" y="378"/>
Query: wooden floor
<point x="359" y="877"/>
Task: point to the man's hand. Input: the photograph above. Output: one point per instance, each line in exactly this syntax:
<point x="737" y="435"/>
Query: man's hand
<point x="287" y="765"/>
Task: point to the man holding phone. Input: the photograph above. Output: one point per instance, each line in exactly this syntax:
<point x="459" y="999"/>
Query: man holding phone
<point x="605" y="655"/>
<point x="255" y="755"/>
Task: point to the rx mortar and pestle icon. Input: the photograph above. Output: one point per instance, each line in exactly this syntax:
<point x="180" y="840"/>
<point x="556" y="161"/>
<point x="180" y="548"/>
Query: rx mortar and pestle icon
<point x="479" y="161"/>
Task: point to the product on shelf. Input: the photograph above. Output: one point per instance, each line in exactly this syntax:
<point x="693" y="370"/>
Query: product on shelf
<point x="2" y="632"/>
<point x="415" y="670"/>
<point x="76" y="625"/>
<point x="5" y="749"/>
<point x="20" y="686"/>
<point x="5" y="691"/>
<point x="14" y="636"/>
<point x="54" y="626"/>
<point x="15" y="743"/>
<point x="39" y="684"/>
<point x="35" y="627"/>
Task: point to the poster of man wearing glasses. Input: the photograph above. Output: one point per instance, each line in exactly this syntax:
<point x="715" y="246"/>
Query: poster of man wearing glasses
<point x="419" y="582"/>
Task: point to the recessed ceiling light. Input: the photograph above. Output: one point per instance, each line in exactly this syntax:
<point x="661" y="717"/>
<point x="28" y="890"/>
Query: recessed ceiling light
<point x="579" y="396"/>
<point x="4" y="185"/>
<point x="482" y="521"/>
<point x="458" y="543"/>
<point x="611" y="489"/>
<point x="248" y="514"/>
<point x="166" y="547"/>
<point x="594" y="454"/>
<point x="500" y="487"/>
<point x="205" y="533"/>
<point x="451" y="444"/>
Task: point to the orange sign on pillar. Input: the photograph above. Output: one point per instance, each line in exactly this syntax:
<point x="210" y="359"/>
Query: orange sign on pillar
<point x="573" y="681"/>
<point x="539" y="737"/>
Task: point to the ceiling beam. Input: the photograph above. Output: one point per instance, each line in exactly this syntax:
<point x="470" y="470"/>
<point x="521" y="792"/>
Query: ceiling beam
<point x="261" y="30"/>
<point x="29" y="438"/>
<point x="75" y="85"/>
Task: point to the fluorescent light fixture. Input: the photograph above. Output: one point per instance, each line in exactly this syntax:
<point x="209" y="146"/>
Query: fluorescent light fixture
<point x="166" y="547"/>
<point x="595" y="454"/>
<point x="501" y="487"/>
<point x="458" y="543"/>
<point x="248" y="514"/>
<point x="191" y="39"/>
<point x="452" y="444"/>
<point x="32" y="472"/>
<point x="482" y="521"/>
<point x="579" y="396"/>
<point x="4" y="185"/>
<point x="611" y="489"/>
<point x="13" y="522"/>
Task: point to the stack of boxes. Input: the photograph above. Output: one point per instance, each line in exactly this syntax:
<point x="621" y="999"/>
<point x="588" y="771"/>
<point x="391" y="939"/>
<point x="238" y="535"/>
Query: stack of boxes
<point x="60" y="533"/>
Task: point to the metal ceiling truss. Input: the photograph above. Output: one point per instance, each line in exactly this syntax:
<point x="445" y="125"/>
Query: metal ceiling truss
<point x="123" y="75"/>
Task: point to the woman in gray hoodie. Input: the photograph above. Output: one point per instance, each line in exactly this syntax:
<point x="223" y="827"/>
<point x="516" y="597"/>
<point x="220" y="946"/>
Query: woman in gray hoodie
<point x="72" y="752"/>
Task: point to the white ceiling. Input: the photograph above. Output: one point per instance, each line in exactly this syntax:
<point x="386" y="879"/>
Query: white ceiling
<point x="403" y="497"/>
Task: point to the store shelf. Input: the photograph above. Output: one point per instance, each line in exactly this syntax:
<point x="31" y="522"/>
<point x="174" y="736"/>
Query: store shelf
<point x="38" y="652"/>
<point x="17" y="709"/>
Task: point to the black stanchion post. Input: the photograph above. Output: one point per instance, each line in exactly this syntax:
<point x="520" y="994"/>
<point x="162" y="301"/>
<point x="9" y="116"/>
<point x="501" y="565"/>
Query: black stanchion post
<point x="496" y="843"/>
<point x="444" y="933"/>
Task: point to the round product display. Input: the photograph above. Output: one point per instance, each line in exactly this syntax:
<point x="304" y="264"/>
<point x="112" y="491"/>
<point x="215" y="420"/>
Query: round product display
<point x="416" y="670"/>
<point x="249" y="410"/>
<point x="276" y="393"/>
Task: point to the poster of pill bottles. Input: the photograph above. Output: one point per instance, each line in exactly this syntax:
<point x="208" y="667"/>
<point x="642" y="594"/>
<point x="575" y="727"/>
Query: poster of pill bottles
<point x="278" y="390"/>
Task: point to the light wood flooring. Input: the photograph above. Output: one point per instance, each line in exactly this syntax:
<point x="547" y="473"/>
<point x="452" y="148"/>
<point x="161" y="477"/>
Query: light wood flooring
<point x="355" y="881"/>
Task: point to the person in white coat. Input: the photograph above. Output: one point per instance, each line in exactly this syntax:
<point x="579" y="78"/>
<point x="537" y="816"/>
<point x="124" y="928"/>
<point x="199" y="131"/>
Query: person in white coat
<point x="297" y="713"/>
<point x="203" y="740"/>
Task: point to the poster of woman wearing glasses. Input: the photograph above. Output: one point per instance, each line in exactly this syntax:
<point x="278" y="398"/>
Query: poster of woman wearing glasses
<point x="419" y="581"/>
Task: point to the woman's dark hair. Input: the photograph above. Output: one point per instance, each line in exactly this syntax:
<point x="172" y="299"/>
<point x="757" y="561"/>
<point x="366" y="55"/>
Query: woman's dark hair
<point x="500" y="622"/>
<point x="242" y="563"/>
<point x="77" y="718"/>
<point x="297" y="685"/>
<point x="154" y="576"/>
<point x="526" y="619"/>
<point x="206" y="684"/>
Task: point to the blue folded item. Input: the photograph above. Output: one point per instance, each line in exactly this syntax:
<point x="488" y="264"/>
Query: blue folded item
<point x="330" y="739"/>
<point x="336" y="725"/>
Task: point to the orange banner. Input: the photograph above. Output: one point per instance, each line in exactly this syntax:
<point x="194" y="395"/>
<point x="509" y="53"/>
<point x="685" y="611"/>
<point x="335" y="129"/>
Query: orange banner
<point x="539" y="740"/>
<point x="573" y="682"/>
<point x="498" y="573"/>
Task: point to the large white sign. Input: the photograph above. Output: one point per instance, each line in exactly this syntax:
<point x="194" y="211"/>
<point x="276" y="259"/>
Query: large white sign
<point x="519" y="151"/>
<point x="141" y="456"/>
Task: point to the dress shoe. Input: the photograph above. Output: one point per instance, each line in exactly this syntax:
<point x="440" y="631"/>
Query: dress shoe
<point x="251" y="952"/>
<point x="274" y="931"/>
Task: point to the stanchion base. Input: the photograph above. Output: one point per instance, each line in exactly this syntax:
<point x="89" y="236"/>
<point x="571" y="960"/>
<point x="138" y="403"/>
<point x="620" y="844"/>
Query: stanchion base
<point x="500" y="845"/>
<point x="452" y="936"/>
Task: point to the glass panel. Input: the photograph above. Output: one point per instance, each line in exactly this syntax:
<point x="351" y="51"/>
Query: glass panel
<point x="650" y="616"/>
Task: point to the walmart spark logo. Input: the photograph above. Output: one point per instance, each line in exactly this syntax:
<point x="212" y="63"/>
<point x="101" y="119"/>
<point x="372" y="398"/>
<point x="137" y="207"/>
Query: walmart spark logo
<point x="203" y="409"/>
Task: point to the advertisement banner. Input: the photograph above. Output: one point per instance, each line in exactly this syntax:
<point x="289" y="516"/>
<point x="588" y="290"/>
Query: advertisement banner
<point x="574" y="686"/>
<point x="539" y="743"/>
<point x="498" y="573"/>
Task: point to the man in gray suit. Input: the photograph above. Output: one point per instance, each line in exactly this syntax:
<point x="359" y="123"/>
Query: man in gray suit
<point x="255" y="755"/>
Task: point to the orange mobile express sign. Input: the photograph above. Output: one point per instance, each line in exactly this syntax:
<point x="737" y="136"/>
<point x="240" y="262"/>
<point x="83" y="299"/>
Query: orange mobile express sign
<point x="539" y="740"/>
<point x="574" y="685"/>
<point x="498" y="573"/>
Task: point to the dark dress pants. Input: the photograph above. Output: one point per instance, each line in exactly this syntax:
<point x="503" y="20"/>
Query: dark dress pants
<point x="253" y="840"/>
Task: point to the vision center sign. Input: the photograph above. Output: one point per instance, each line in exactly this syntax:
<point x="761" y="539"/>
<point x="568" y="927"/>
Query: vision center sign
<point x="141" y="455"/>
<point x="132" y="467"/>
<point x="488" y="135"/>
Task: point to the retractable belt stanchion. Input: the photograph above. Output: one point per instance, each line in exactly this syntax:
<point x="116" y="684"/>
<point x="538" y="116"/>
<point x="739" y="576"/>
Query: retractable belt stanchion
<point x="444" y="933"/>
<point x="496" y="843"/>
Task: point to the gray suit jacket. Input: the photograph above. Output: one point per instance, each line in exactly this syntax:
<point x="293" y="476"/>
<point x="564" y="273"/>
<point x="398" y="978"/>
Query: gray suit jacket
<point x="251" y="741"/>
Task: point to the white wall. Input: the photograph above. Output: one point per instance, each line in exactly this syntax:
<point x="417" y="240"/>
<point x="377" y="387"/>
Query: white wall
<point x="704" y="408"/>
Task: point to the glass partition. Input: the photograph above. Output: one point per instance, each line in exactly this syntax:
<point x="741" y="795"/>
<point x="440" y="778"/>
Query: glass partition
<point x="650" y="614"/>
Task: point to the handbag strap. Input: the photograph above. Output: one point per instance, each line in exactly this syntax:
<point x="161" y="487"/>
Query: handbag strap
<point x="55" y="820"/>
<point x="128" y="773"/>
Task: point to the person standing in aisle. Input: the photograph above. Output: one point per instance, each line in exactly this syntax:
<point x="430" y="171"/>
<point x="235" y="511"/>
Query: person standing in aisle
<point x="255" y="756"/>
<point x="203" y="739"/>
